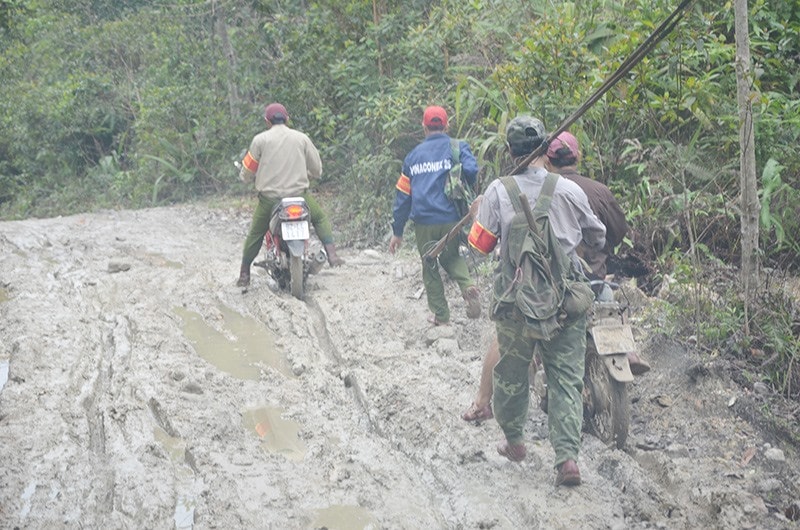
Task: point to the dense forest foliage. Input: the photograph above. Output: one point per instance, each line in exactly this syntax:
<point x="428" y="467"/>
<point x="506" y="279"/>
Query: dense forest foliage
<point x="132" y="103"/>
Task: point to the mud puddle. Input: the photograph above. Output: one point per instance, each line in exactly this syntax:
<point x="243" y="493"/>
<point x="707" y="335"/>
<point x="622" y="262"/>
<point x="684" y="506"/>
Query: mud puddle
<point x="186" y="500"/>
<point x="277" y="434"/>
<point x="243" y="347"/>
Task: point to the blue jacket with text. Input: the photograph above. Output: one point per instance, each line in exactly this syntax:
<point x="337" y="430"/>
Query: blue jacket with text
<point x="420" y="188"/>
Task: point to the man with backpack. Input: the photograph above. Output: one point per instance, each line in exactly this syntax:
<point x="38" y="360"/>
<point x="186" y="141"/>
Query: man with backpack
<point x="563" y="156"/>
<point x="522" y="308"/>
<point x="421" y="197"/>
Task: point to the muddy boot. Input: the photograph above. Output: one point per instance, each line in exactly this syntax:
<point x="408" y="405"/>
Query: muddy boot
<point x="244" y="276"/>
<point x="333" y="259"/>
<point x="568" y="474"/>
<point x="514" y="452"/>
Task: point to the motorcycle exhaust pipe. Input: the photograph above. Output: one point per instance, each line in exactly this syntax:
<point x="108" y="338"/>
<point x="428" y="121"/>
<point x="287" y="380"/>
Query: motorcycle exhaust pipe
<point x="317" y="262"/>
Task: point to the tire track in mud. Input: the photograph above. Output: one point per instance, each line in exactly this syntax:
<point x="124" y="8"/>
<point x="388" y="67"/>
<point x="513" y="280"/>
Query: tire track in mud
<point x="320" y="329"/>
<point x="95" y="422"/>
<point x="94" y="410"/>
<point x="439" y="480"/>
<point x="162" y="419"/>
<point x="111" y="435"/>
<point x="422" y="468"/>
<point x="115" y="350"/>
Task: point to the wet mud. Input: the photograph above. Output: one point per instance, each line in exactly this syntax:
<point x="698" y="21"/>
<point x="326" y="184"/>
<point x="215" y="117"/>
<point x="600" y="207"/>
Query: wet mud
<point x="139" y="388"/>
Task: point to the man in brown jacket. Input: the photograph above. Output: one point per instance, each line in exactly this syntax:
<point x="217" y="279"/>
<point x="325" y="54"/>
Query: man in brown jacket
<point x="563" y="155"/>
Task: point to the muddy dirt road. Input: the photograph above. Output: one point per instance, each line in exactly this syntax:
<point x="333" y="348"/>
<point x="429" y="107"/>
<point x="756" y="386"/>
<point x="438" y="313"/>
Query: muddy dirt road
<point x="139" y="388"/>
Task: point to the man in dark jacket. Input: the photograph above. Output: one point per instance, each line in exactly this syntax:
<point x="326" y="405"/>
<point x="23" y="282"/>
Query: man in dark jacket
<point x="563" y="155"/>
<point x="420" y="197"/>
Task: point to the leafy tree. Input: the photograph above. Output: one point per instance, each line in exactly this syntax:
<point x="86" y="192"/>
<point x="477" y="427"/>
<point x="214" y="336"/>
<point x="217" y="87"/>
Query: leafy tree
<point x="157" y="114"/>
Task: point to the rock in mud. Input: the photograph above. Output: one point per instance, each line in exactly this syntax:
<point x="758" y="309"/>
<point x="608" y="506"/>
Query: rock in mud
<point x="439" y="332"/>
<point x="118" y="266"/>
<point x="775" y="455"/>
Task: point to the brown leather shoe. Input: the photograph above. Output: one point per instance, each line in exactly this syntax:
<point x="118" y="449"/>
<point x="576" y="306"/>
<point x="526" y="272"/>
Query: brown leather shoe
<point x="244" y="276"/>
<point x="568" y="474"/>
<point x="514" y="452"/>
<point x="333" y="259"/>
<point x="472" y="296"/>
<point x="638" y="365"/>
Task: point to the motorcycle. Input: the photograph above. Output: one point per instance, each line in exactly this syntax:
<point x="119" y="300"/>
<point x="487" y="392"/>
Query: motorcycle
<point x="290" y="254"/>
<point x="609" y="338"/>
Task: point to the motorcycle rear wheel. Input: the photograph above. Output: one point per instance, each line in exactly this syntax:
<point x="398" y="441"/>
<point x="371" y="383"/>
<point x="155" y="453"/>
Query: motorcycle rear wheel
<point x="606" y="410"/>
<point x="296" y="276"/>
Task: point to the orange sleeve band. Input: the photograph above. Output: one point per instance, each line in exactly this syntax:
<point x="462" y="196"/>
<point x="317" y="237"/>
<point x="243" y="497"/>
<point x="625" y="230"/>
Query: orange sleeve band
<point x="404" y="184"/>
<point x="250" y="163"/>
<point x="481" y="239"/>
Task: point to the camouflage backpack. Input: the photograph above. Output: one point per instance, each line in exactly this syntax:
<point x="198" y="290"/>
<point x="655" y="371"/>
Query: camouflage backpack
<point x="537" y="282"/>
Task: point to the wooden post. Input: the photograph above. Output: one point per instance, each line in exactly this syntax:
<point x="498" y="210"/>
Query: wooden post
<point x="747" y="160"/>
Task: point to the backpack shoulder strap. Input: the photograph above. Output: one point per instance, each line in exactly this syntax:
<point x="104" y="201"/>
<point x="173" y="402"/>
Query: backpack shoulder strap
<point x="542" y="206"/>
<point x="456" y="150"/>
<point x="512" y="188"/>
<point x="541" y="211"/>
<point x="514" y="192"/>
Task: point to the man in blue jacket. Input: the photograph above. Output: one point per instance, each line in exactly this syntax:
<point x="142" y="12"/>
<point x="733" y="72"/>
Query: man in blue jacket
<point x="420" y="197"/>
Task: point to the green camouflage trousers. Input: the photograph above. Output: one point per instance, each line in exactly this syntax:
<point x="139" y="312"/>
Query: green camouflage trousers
<point x="450" y="260"/>
<point x="260" y="225"/>
<point x="563" y="360"/>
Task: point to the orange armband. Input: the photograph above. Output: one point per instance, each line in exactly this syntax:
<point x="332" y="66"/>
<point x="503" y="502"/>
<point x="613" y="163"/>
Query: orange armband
<point x="250" y="163"/>
<point x="404" y="184"/>
<point x="481" y="239"/>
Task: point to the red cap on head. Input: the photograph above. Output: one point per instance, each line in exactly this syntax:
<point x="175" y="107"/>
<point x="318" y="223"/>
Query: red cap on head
<point x="434" y="116"/>
<point x="563" y="140"/>
<point x="275" y="110"/>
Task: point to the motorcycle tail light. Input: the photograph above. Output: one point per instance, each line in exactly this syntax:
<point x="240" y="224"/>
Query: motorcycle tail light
<point x="293" y="211"/>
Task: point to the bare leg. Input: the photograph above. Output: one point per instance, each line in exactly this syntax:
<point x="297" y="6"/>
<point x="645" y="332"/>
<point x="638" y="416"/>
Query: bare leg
<point x="481" y="408"/>
<point x="485" y="389"/>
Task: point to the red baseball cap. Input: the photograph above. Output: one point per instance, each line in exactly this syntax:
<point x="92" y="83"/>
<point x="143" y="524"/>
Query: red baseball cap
<point x="563" y="140"/>
<point x="274" y="109"/>
<point x="434" y="115"/>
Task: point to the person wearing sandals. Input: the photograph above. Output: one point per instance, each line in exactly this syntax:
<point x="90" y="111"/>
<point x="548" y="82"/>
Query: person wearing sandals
<point x="563" y="155"/>
<point x="420" y="197"/>
<point x="573" y="222"/>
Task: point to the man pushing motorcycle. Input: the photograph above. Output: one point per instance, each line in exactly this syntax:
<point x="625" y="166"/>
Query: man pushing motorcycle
<point x="572" y="222"/>
<point x="563" y="156"/>
<point x="281" y="161"/>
